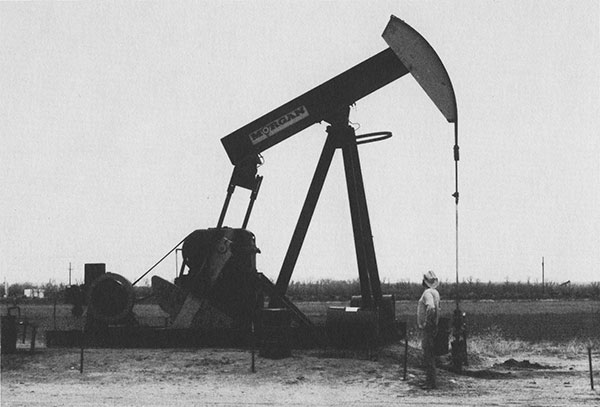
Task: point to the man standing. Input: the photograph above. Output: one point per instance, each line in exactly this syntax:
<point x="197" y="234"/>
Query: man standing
<point x="428" y="315"/>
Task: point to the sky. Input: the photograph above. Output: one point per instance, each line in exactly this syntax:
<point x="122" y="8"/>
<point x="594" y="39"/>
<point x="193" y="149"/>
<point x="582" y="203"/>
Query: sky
<point x="112" y="115"/>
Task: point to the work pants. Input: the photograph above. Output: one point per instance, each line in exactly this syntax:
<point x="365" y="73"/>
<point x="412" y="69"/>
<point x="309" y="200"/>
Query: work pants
<point x="428" y="344"/>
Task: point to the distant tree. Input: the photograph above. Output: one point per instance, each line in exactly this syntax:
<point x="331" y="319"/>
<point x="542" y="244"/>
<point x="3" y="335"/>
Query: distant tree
<point x="51" y="289"/>
<point x="18" y="289"/>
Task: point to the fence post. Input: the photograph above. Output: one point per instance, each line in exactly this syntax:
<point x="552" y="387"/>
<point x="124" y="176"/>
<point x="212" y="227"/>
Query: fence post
<point x="253" y="346"/>
<point x="591" y="370"/>
<point x="82" y="345"/>
<point x="405" y="357"/>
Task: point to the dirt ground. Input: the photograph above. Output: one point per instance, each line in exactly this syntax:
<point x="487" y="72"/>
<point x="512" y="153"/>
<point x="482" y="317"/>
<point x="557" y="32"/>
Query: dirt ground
<point x="222" y="377"/>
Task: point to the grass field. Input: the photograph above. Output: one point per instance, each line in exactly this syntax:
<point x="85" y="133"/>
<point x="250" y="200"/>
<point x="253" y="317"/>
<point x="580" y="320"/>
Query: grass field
<point x="532" y="321"/>
<point x="555" y="320"/>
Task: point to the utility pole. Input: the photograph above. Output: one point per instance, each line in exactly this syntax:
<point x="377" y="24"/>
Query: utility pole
<point x="543" y="282"/>
<point x="69" y="274"/>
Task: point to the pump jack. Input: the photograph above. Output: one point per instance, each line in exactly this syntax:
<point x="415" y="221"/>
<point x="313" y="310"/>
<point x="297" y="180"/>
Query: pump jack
<point x="222" y="288"/>
<point x="330" y="102"/>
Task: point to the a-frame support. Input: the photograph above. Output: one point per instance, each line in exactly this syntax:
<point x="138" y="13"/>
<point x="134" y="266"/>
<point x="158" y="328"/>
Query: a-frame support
<point x="339" y="135"/>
